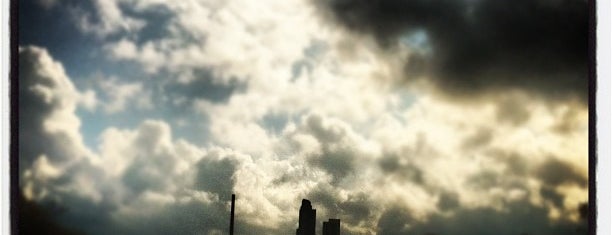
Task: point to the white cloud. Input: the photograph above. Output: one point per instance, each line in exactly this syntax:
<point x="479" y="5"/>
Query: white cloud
<point x="47" y="103"/>
<point x="238" y="39"/>
<point x="120" y="95"/>
<point x="108" y="19"/>
<point x="51" y="145"/>
<point x="88" y="100"/>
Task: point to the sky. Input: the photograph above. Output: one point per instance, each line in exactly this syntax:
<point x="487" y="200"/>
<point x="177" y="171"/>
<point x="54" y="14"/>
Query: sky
<point x="396" y="117"/>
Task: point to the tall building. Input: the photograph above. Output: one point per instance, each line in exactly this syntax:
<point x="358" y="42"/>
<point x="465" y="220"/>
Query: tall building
<point x="307" y="220"/>
<point x="331" y="227"/>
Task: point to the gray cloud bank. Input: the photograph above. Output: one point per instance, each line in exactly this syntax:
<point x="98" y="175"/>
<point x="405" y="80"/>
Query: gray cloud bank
<point x="479" y="47"/>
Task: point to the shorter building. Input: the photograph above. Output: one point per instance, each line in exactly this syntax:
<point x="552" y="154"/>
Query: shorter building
<point x="331" y="227"/>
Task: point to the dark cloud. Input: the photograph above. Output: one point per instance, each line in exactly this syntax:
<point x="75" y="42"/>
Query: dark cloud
<point x="532" y="220"/>
<point x="82" y="214"/>
<point x="512" y="111"/>
<point x="554" y="172"/>
<point x="583" y="211"/>
<point x="389" y="163"/>
<point x="480" y="138"/>
<point x="392" y="164"/>
<point x="486" y="180"/>
<point x="483" y="180"/>
<point x="325" y="195"/>
<point x="185" y="216"/>
<point x="481" y="47"/>
<point x="395" y="221"/>
<point x="549" y="194"/>
<point x="338" y="163"/>
<point x="325" y="132"/>
<point x="192" y="217"/>
<point x="204" y="86"/>
<point x="34" y="219"/>
<point x="357" y="209"/>
<point x="338" y="156"/>
<point x="216" y="176"/>
<point x="448" y="201"/>
<point x="515" y="164"/>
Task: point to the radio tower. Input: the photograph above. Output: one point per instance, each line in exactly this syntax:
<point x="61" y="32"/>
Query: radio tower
<point x="231" y="229"/>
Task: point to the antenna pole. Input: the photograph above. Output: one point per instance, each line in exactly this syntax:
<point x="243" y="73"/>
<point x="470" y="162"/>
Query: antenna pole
<point x="231" y="232"/>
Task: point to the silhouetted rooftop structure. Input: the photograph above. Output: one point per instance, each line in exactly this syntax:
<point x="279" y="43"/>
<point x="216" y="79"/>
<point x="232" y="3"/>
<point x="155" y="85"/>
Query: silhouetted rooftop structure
<point x="331" y="227"/>
<point x="307" y="220"/>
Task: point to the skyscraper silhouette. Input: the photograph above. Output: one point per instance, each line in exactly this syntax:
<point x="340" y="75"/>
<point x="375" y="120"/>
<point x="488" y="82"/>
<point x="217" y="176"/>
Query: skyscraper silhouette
<point x="307" y="220"/>
<point x="331" y="227"/>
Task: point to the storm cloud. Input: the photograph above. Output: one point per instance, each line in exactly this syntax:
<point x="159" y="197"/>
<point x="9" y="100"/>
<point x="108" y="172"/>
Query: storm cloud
<point x="479" y="47"/>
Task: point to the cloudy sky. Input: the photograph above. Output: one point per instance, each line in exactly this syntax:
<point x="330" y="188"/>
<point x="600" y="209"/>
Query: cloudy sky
<point x="397" y="117"/>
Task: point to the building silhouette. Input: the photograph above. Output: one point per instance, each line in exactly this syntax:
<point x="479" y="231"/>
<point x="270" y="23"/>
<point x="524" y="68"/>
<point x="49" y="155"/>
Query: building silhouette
<point x="307" y="220"/>
<point x="331" y="227"/>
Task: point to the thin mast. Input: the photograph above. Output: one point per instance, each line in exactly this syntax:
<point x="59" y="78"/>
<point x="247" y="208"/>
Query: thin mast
<point x="231" y="232"/>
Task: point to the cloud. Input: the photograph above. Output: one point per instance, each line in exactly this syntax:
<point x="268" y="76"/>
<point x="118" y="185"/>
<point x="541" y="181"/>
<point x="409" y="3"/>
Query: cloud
<point x="155" y="161"/>
<point x="448" y="201"/>
<point x="48" y="125"/>
<point x="554" y="173"/>
<point x="481" y="137"/>
<point x="105" y="18"/>
<point x="119" y="95"/>
<point x="148" y="54"/>
<point x="394" y="165"/>
<point x="208" y="35"/>
<point x="335" y="147"/>
<point x="188" y="216"/>
<point x="95" y="191"/>
<point x="476" y="221"/>
<point x="47" y="4"/>
<point x="88" y="100"/>
<point x="355" y="209"/>
<point x="34" y="219"/>
<point x="483" y="221"/>
<point x="381" y="158"/>
<point x="394" y="221"/>
<point x="200" y="84"/>
<point x="512" y="110"/>
<point x="216" y="175"/>
<point x="403" y="171"/>
<point x="337" y="163"/>
<point x="478" y="47"/>
<point x="55" y="166"/>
